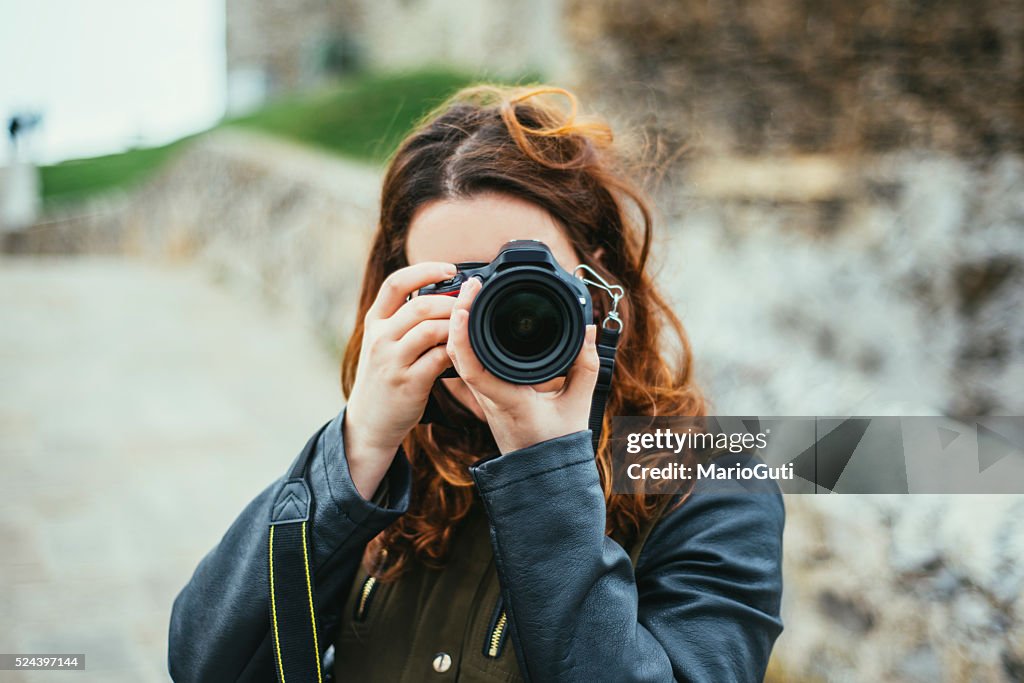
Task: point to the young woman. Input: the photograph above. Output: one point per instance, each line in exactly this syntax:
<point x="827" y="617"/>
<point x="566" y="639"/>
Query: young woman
<point x="487" y="545"/>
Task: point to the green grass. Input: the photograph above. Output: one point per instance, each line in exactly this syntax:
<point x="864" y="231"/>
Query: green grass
<point x="364" y="118"/>
<point x="71" y="181"/>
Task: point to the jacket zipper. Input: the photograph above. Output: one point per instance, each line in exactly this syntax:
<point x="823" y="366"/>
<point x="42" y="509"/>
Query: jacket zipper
<point x="365" y="594"/>
<point x="496" y="632"/>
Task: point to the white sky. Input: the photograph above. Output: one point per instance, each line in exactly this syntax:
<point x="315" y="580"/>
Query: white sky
<point x="110" y="74"/>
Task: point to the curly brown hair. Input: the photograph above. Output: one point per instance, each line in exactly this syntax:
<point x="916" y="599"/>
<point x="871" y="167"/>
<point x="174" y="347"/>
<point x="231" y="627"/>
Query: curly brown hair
<point x="517" y="141"/>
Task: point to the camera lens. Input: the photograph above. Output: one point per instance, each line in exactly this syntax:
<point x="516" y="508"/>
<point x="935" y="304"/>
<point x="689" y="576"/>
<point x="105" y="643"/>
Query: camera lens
<point x="527" y="323"/>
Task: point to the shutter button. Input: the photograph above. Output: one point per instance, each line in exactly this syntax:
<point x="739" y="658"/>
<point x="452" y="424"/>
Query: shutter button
<point x="442" y="662"/>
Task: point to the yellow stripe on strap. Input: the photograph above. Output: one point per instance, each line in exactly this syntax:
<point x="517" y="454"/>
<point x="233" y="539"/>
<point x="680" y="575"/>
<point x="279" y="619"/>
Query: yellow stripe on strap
<point x="312" y="613"/>
<point x="273" y="606"/>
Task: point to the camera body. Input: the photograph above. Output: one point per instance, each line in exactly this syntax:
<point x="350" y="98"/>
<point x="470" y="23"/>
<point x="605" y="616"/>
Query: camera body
<point x="528" y="322"/>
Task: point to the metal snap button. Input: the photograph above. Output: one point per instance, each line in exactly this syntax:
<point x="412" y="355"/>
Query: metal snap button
<point x="442" y="662"/>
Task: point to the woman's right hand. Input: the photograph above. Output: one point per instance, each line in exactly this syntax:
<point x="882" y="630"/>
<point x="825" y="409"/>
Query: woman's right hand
<point x="402" y="353"/>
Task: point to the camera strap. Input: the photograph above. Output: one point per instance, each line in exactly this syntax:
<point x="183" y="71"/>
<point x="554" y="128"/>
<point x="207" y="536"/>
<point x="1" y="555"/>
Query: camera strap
<point x="293" y="622"/>
<point x="607" y="345"/>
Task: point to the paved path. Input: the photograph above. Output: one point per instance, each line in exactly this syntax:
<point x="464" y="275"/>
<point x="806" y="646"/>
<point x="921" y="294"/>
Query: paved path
<point x="141" y="407"/>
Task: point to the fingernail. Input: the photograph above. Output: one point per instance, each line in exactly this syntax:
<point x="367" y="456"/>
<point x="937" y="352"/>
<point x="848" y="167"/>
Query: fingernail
<point x="450" y="269"/>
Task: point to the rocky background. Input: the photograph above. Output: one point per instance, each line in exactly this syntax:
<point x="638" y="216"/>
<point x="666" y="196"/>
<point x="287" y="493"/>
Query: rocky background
<point x="860" y="165"/>
<point x="845" y="214"/>
<point x="763" y="77"/>
<point x="842" y="230"/>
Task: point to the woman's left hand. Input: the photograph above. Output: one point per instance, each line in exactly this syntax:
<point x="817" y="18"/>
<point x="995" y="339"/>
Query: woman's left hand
<point x="518" y="414"/>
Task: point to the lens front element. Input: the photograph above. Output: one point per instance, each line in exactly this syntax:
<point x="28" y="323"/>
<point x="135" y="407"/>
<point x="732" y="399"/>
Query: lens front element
<point x="527" y="323"/>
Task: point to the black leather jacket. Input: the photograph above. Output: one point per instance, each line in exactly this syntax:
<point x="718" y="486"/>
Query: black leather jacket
<point x="702" y="605"/>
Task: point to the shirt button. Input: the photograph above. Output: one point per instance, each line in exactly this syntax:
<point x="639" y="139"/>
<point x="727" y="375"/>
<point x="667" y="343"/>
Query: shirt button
<point x="442" y="662"/>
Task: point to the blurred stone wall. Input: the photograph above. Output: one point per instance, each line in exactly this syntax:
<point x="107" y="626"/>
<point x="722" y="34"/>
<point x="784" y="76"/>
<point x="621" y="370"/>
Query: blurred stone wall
<point x="843" y="234"/>
<point x="886" y="284"/>
<point x="902" y="589"/>
<point x="773" y="76"/>
<point x="872" y="152"/>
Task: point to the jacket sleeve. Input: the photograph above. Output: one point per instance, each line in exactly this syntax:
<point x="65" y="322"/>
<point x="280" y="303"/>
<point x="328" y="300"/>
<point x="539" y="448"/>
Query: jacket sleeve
<point x="220" y="621"/>
<point x="702" y="606"/>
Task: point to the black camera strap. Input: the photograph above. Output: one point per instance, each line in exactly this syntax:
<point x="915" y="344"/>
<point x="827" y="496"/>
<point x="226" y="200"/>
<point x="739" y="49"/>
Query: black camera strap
<point x="607" y="345"/>
<point x="293" y="622"/>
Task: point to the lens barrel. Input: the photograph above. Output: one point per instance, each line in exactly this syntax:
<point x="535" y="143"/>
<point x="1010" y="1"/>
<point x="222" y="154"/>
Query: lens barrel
<point x="527" y="324"/>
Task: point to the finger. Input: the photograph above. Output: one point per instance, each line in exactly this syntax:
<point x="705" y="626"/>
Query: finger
<point x="582" y="376"/>
<point x="467" y="292"/>
<point x="459" y="347"/>
<point x="430" y="365"/>
<point x="464" y="359"/>
<point x="423" y="336"/>
<point x="416" y="310"/>
<point x="399" y="284"/>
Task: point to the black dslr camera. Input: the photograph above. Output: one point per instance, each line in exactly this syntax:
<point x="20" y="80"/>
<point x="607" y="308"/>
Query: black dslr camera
<point x="529" y="319"/>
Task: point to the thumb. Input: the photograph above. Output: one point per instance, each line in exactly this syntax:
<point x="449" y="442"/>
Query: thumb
<point x="582" y="376"/>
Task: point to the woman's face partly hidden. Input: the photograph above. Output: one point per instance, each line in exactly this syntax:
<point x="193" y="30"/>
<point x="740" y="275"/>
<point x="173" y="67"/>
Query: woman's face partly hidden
<point x="474" y="229"/>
